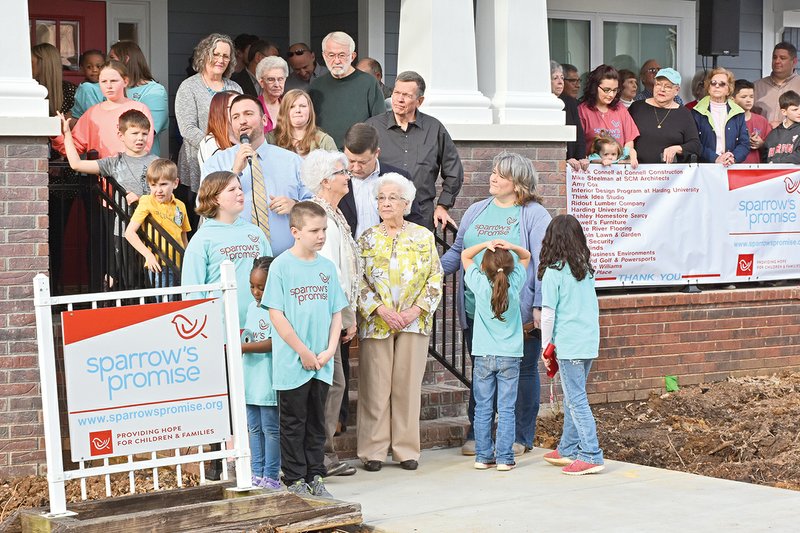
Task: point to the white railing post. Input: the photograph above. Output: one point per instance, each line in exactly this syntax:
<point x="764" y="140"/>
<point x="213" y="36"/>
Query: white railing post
<point x="47" y="376"/>
<point x="235" y="375"/>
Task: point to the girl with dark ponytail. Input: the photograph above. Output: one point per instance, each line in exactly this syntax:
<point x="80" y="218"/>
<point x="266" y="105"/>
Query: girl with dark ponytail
<point x="497" y="345"/>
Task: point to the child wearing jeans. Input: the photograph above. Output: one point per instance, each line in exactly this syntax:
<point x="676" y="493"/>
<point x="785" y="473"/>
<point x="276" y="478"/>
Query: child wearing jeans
<point x="570" y="321"/>
<point x="260" y="398"/>
<point x="496" y="346"/>
<point x="305" y="301"/>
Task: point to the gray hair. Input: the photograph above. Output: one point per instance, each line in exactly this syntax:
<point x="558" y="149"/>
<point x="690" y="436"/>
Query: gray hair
<point x="410" y="75"/>
<point x="407" y="189"/>
<point x="269" y="63"/>
<point x="320" y="165"/>
<point x="520" y="171"/>
<point x="205" y="50"/>
<point x="341" y="38"/>
<point x="554" y="66"/>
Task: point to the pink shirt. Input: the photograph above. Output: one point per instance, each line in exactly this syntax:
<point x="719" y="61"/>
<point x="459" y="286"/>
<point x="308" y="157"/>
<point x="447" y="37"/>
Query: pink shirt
<point x="615" y="122"/>
<point x="759" y="124"/>
<point x="98" y="129"/>
<point x="270" y="123"/>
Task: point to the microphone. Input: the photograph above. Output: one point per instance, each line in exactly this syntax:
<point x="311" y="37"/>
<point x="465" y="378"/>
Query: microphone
<point x="245" y="139"/>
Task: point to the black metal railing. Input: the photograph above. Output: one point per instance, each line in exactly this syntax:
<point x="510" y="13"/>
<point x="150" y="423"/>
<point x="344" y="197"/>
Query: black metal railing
<point x="447" y="344"/>
<point x="88" y="250"/>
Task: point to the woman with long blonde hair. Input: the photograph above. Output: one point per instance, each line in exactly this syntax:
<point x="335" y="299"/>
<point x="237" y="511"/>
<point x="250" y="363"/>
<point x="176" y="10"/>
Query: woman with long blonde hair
<point x="297" y="126"/>
<point x="47" y="70"/>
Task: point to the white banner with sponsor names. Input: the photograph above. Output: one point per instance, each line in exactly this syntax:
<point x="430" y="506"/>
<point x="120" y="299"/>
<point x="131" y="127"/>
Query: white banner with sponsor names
<point x="680" y="224"/>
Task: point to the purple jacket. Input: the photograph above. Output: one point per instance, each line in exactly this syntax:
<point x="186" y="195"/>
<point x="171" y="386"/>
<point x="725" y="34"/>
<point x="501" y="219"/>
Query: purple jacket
<point x="533" y="223"/>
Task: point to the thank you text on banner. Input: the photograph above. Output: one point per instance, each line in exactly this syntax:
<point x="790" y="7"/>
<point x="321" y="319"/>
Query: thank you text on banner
<point x="145" y="378"/>
<point x="678" y="224"/>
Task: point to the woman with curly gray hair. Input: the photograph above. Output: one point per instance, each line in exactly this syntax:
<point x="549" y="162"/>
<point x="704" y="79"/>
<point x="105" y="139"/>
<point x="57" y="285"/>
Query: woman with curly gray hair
<point x="214" y="62"/>
<point x="271" y="74"/>
<point x="326" y="175"/>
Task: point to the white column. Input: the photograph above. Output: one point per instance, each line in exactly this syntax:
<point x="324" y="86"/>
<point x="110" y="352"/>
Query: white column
<point x="514" y="63"/>
<point x="437" y="40"/>
<point x="371" y="30"/>
<point x="300" y="22"/>
<point x="21" y="97"/>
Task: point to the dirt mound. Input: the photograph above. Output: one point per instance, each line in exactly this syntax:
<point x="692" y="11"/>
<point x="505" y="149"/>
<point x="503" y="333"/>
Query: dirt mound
<point x="744" y="429"/>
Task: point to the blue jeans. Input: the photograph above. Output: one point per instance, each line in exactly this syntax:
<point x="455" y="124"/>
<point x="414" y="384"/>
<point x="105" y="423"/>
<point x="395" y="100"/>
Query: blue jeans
<point x="165" y="278"/>
<point x="528" y="393"/>
<point x="579" y="438"/>
<point x="495" y="376"/>
<point x="263" y="426"/>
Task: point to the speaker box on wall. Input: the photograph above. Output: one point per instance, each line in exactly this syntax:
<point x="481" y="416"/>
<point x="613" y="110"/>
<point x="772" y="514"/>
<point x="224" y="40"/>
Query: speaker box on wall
<point x="719" y="28"/>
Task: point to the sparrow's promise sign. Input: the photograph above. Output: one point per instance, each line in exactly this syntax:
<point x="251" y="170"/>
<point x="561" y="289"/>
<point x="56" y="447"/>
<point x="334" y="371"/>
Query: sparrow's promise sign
<point x="145" y="378"/>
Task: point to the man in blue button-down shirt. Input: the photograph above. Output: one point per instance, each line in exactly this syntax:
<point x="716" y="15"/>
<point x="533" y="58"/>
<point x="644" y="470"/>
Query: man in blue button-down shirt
<point x="281" y="170"/>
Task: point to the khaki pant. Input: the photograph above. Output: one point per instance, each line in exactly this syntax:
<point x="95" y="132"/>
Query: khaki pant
<point x="389" y="390"/>
<point x="332" y="406"/>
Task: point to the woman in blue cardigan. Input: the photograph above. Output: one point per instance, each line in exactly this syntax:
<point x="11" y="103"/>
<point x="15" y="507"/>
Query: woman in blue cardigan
<point x="720" y="122"/>
<point x="514" y="213"/>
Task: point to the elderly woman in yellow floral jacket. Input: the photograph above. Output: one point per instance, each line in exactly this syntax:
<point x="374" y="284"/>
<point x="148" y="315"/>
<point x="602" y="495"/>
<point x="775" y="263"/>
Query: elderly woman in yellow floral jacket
<point x="399" y="293"/>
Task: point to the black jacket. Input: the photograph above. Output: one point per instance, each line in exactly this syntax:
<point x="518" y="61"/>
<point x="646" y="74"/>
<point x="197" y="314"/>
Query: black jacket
<point x="245" y="82"/>
<point x="347" y="205"/>
<point x="575" y="149"/>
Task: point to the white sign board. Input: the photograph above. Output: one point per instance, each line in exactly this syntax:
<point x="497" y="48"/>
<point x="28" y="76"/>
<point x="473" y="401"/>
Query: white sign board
<point x="145" y="378"/>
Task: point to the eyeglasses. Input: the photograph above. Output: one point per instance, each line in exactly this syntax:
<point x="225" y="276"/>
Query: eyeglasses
<point x="572" y="80"/>
<point x="392" y="198"/>
<point x="300" y="52"/>
<point x="718" y="83"/>
<point x="341" y="56"/>
<point x="653" y="70"/>
<point x="405" y="96"/>
<point x="665" y="86"/>
<point x="270" y="81"/>
<point x="609" y="90"/>
<point x="224" y="57"/>
<point x="342" y="171"/>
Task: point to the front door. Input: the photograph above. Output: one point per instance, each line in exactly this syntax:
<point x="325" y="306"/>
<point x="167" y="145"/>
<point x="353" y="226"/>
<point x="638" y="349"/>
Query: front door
<point x="72" y="26"/>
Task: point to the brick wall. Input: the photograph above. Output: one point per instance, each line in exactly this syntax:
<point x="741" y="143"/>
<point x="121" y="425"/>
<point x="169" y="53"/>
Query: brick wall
<point x="23" y="254"/>
<point x="701" y="337"/>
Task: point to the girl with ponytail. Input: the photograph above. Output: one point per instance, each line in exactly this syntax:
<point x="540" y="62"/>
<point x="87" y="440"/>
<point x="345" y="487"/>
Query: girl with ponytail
<point x="497" y="345"/>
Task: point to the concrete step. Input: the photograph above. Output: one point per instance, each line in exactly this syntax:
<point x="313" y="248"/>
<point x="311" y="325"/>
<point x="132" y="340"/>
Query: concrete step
<point x="439" y="400"/>
<point x="444" y="432"/>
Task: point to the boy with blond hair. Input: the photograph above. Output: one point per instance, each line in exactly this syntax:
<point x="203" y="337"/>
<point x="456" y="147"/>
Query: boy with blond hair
<point x="166" y="211"/>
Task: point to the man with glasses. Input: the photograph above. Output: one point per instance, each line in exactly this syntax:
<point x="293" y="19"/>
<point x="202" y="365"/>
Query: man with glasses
<point x="344" y="95"/>
<point x="420" y="145"/>
<point x="246" y="78"/>
<point x="572" y="81"/>
<point x="305" y="68"/>
<point x="647" y="75"/>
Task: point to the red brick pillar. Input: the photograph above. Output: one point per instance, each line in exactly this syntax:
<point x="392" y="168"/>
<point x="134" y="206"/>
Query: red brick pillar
<point x="23" y="254"/>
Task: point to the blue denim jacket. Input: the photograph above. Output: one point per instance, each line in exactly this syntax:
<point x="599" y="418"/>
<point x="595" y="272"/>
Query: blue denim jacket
<point x="533" y="223"/>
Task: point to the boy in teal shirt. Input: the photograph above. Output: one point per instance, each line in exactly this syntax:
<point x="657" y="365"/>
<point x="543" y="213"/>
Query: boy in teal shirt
<point x="305" y="302"/>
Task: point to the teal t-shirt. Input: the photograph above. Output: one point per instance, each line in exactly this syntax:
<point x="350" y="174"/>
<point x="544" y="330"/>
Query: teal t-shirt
<point x="493" y="223"/>
<point x="308" y="293"/>
<point x="154" y="96"/>
<point x="576" y="333"/>
<point x="87" y="95"/>
<point x="214" y="242"/>
<point x="492" y="336"/>
<point x="258" y="366"/>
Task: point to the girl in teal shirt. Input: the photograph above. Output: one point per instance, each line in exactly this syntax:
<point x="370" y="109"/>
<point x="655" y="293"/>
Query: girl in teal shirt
<point x="570" y="321"/>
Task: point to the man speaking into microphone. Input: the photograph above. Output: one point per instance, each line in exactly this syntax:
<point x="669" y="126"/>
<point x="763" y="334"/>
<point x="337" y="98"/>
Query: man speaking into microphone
<point x="270" y="176"/>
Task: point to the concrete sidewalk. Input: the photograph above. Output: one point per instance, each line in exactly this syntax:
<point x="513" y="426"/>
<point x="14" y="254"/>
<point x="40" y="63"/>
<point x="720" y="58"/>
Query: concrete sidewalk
<point x="447" y="495"/>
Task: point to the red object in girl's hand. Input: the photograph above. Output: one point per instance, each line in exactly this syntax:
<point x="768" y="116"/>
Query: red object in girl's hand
<point x="549" y="354"/>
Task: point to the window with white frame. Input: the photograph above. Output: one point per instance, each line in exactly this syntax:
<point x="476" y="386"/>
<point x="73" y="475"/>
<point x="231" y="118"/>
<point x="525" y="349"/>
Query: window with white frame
<point x="622" y="33"/>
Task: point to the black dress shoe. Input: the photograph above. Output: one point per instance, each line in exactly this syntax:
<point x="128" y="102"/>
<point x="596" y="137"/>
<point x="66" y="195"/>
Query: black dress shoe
<point x="411" y="464"/>
<point x="372" y="466"/>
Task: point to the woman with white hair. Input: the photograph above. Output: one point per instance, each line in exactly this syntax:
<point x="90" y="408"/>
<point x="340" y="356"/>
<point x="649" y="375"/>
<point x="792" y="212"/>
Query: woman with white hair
<point x="214" y="64"/>
<point x="325" y="174"/>
<point x="400" y="291"/>
<point x="576" y="149"/>
<point x="512" y="212"/>
<point x="271" y="74"/>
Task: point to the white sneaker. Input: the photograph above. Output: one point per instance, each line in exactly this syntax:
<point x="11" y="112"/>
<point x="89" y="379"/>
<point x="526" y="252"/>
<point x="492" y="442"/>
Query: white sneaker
<point x="505" y="467"/>
<point x="519" y="449"/>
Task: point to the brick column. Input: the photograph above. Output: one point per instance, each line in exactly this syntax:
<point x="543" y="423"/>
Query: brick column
<point x="23" y="254"/>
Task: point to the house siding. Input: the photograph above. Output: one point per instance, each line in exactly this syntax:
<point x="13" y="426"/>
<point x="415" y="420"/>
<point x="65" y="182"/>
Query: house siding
<point x="392" y="31"/>
<point x="747" y="65"/>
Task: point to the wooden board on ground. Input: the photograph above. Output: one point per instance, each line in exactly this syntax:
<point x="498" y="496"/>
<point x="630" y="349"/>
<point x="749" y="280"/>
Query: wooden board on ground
<point x="212" y="507"/>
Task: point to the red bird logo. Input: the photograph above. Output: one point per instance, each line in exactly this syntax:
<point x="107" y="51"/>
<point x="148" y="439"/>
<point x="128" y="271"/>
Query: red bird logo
<point x="324" y="278"/>
<point x="791" y="186"/>
<point x="188" y="329"/>
<point x="746" y="266"/>
<point x="253" y="238"/>
<point x="263" y="324"/>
